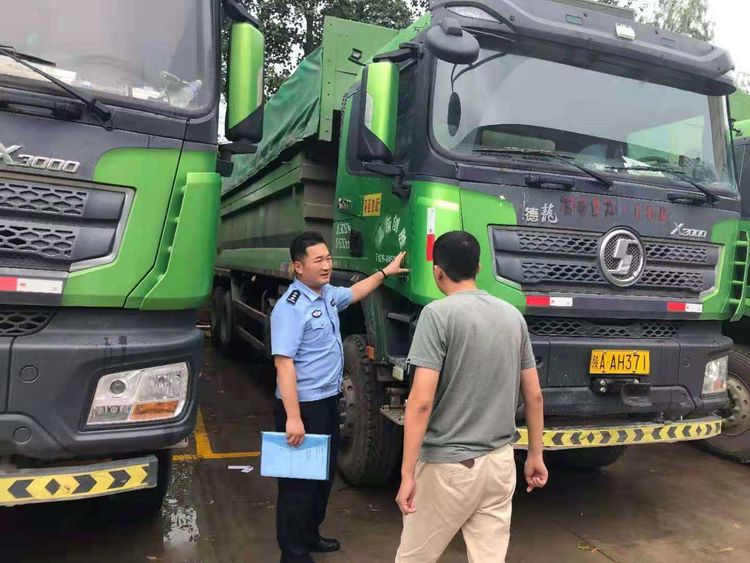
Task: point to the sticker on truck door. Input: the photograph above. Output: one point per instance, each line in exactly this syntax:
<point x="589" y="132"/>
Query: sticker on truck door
<point x="371" y="205"/>
<point x="431" y="213"/>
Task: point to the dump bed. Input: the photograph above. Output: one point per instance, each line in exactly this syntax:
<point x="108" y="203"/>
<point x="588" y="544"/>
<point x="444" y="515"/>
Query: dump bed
<point x="306" y="104"/>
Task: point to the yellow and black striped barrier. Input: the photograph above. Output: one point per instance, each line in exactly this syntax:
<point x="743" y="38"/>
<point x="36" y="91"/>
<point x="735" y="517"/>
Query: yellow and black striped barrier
<point x="28" y="486"/>
<point x="624" y="435"/>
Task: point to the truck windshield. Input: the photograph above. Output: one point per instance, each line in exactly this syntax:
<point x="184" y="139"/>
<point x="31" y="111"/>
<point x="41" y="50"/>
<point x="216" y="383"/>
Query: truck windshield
<point x="154" y="53"/>
<point x="609" y="123"/>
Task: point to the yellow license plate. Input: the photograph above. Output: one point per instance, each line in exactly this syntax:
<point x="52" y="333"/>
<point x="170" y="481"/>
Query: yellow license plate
<point x="620" y="362"/>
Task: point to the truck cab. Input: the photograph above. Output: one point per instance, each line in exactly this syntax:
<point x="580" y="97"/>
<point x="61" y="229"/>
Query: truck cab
<point x="591" y="157"/>
<point x="109" y="195"/>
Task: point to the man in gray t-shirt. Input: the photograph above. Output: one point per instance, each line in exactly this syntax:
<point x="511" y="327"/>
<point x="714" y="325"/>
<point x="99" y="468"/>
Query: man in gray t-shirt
<point x="472" y="356"/>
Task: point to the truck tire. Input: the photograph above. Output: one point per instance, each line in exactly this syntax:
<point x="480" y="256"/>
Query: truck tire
<point x="588" y="458"/>
<point x="217" y="300"/>
<point x="370" y="443"/>
<point x="734" y="441"/>
<point x="141" y="504"/>
<point x="223" y="332"/>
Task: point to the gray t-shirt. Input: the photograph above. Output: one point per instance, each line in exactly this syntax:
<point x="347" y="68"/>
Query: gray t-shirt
<point x="479" y="344"/>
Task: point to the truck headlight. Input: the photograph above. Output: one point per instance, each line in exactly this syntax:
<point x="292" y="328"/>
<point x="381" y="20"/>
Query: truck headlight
<point x="715" y="380"/>
<point x="141" y="395"/>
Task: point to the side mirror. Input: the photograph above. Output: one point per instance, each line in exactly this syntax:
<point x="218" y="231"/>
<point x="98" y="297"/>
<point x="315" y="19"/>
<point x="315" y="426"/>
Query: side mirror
<point x="378" y="109"/>
<point x="449" y="43"/>
<point x="244" y="120"/>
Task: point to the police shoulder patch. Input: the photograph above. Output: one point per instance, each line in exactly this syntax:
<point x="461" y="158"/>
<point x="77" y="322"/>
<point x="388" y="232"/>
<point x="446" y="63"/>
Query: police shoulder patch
<point x="293" y="296"/>
<point x="317" y="313"/>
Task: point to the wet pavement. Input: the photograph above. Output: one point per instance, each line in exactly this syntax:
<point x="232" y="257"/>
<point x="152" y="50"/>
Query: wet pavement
<point x="658" y="504"/>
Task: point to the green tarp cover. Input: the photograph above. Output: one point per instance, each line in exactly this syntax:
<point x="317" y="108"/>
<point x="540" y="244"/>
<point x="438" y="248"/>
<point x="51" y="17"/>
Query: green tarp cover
<point x="283" y="128"/>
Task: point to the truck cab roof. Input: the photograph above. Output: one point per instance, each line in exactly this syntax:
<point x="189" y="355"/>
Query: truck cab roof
<point x="576" y="24"/>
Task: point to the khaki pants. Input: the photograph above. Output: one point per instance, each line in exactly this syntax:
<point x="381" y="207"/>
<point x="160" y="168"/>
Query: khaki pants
<point x="452" y="497"/>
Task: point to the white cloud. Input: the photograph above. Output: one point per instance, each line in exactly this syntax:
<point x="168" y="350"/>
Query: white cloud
<point x="732" y="19"/>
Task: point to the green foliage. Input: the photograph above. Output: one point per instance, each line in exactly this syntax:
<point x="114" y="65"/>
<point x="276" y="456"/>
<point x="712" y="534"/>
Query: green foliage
<point x="689" y="17"/>
<point x="685" y="16"/>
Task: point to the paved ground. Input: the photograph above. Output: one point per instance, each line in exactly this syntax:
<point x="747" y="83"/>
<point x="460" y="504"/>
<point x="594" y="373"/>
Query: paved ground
<point x="658" y="504"/>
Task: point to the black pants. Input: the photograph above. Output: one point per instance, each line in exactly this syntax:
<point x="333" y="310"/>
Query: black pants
<point x="302" y="503"/>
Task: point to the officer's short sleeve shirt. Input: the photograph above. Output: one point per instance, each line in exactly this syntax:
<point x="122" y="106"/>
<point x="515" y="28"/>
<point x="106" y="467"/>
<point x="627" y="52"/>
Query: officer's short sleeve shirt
<point x="305" y="326"/>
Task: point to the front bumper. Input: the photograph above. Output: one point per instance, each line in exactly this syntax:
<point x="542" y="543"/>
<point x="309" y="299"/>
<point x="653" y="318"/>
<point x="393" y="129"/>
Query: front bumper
<point x="624" y="434"/>
<point x="598" y="434"/>
<point x="671" y="391"/>
<point x="51" y="375"/>
<point x="30" y="486"/>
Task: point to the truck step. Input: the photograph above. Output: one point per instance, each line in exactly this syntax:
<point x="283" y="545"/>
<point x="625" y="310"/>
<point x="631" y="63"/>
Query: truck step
<point x="394" y="414"/>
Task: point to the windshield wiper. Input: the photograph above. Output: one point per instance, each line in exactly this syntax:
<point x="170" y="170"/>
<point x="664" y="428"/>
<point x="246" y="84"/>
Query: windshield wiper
<point x="677" y="173"/>
<point x="96" y="107"/>
<point x="27" y="56"/>
<point x="603" y="181"/>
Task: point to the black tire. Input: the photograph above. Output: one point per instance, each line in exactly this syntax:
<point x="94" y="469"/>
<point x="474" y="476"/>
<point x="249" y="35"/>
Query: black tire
<point x="371" y="444"/>
<point x="734" y="441"/>
<point x="223" y="332"/>
<point x="146" y="503"/>
<point x="217" y="303"/>
<point x="588" y="458"/>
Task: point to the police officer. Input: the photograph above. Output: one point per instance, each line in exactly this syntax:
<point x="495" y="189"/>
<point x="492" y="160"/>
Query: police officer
<point x="309" y="358"/>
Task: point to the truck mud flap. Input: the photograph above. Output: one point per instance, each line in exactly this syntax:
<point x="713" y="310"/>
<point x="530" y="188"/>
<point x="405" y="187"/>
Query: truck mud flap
<point x="28" y="486"/>
<point x="624" y="435"/>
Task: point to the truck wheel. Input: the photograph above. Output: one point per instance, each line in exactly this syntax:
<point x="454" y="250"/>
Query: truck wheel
<point x="145" y="503"/>
<point x="588" y="458"/>
<point x="217" y="301"/>
<point x="734" y="440"/>
<point x="222" y="323"/>
<point x="370" y="443"/>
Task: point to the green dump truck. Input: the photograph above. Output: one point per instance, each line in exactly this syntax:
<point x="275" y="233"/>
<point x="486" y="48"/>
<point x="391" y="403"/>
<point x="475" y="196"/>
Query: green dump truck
<point x="591" y="157"/>
<point x="734" y="441"/>
<point x="109" y="197"/>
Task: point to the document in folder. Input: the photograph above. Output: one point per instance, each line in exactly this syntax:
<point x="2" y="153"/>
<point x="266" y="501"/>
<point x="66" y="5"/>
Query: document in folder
<point x="308" y="461"/>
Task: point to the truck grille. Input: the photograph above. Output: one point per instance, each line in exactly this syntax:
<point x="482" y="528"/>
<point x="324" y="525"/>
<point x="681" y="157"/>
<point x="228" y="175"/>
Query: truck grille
<point x="22" y="322"/>
<point x="46" y="242"/>
<point x="567" y="261"/>
<point x="52" y="227"/>
<point x="578" y="328"/>
<point x="42" y="199"/>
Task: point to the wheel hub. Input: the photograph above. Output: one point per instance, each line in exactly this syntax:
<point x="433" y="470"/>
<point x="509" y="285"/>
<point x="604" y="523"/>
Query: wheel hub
<point x="737" y="417"/>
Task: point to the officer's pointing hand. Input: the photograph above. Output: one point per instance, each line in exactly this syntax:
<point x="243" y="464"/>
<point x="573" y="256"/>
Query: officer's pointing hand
<point x="394" y="268"/>
<point x="295" y="432"/>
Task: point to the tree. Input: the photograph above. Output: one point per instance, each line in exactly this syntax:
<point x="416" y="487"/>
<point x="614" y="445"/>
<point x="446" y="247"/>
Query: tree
<point x="743" y="81"/>
<point x="294" y="28"/>
<point x="689" y="17"/>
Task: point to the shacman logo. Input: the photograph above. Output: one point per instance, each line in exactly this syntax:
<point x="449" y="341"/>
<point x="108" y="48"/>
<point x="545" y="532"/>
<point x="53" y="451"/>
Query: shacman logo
<point x="622" y="257"/>
<point x="11" y="156"/>
<point x="681" y="231"/>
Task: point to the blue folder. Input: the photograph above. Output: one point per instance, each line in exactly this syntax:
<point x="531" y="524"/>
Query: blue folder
<point x="309" y="461"/>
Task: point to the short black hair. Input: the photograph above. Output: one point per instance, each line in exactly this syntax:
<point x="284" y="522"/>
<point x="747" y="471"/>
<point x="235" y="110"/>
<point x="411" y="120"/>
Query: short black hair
<point x="300" y="244"/>
<point x="457" y="253"/>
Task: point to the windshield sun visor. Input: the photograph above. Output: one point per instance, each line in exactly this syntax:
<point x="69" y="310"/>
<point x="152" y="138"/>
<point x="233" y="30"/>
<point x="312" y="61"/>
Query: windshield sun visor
<point x="597" y="39"/>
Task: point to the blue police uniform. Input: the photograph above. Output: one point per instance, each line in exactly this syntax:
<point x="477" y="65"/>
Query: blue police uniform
<point x="305" y="326"/>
